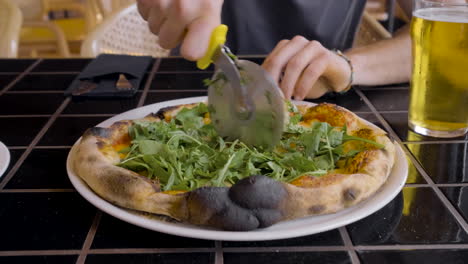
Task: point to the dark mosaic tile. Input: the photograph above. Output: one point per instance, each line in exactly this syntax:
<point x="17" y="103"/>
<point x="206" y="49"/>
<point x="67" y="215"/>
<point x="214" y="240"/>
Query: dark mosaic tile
<point x="178" y="81"/>
<point x="413" y="174"/>
<point x="459" y="198"/>
<point x="179" y="64"/>
<point x="287" y="257"/>
<point x="131" y="236"/>
<point x="415" y="216"/>
<point x="61" y="65"/>
<point x="42" y="169"/>
<point x="30" y="104"/>
<point x="15" y="154"/>
<point x="433" y="256"/>
<point x="388" y="100"/>
<point x="186" y="258"/>
<point x="6" y="79"/>
<point x="330" y="238"/>
<point x="15" y="65"/>
<point x="44" y="82"/>
<point x="351" y="101"/>
<point x="20" y="131"/>
<point x="444" y="163"/>
<point x="371" y="118"/>
<point x="399" y="123"/>
<point x="152" y="98"/>
<point x="102" y="106"/>
<point x="66" y="130"/>
<point x="39" y="221"/>
<point x="39" y="259"/>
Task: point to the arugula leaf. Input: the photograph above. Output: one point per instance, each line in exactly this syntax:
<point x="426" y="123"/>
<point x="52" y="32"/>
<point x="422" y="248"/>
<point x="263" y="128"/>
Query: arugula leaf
<point x="185" y="154"/>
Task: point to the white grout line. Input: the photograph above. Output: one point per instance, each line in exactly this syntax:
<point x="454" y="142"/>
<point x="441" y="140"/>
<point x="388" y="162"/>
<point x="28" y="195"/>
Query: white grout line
<point x="89" y="238"/>
<point x="411" y="247"/>
<point x="36" y="92"/>
<point x="39" y="252"/>
<point x="231" y="250"/>
<point x="34" y="143"/>
<point x="284" y="249"/>
<point x="149" y="250"/>
<point x="148" y="83"/>
<point x="393" y="111"/>
<point x="17" y="147"/>
<point x="19" y="77"/>
<point x="443" y="185"/>
<point x="419" y="185"/>
<point x="349" y="245"/>
<point x="23" y="116"/>
<point x="459" y="218"/>
<point x="219" y="257"/>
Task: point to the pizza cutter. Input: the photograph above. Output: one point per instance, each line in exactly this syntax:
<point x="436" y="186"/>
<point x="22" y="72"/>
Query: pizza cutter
<point x="245" y="102"/>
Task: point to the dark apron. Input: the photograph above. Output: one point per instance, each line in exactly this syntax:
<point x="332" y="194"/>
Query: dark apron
<point x="256" y="26"/>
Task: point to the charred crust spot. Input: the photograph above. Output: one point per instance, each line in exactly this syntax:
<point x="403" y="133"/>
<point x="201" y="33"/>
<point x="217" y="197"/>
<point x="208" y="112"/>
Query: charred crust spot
<point x="98" y="132"/>
<point x="350" y="194"/>
<point x="317" y="209"/>
<point x="162" y="112"/>
<point x="155" y="115"/>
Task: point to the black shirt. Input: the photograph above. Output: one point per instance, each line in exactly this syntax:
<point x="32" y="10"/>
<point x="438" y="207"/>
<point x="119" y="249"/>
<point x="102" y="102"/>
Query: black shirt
<point x="256" y="26"/>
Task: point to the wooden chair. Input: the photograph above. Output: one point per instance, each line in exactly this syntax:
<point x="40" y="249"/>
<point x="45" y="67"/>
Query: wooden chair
<point x="10" y="26"/>
<point x="370" y="31"/>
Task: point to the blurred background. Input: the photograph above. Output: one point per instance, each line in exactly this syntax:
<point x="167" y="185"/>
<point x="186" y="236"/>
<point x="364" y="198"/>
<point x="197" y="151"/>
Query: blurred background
<point x="86" y="28"/>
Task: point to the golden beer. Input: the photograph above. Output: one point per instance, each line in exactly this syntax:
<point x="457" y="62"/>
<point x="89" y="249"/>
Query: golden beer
<point x="439" y="84"/>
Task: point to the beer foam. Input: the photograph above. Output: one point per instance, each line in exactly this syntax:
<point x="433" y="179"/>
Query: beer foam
<point x="455" y="14"/>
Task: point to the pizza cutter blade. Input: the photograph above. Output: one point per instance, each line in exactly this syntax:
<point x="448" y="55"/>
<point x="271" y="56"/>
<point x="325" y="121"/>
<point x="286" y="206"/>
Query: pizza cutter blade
<point x="245" y="102"/>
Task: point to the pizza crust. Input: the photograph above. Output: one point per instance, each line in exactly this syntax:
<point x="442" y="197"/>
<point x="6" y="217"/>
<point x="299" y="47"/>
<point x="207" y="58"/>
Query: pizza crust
<point x="254" y="202"/>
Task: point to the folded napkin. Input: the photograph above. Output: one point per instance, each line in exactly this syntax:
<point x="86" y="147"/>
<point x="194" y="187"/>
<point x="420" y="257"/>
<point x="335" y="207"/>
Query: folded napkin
<point x="110" y="75"/>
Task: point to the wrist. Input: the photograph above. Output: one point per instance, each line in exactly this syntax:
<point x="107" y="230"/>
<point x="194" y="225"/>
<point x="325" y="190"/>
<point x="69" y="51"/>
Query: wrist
<point x="356" y="61"/>
<point x="351" y="70"/>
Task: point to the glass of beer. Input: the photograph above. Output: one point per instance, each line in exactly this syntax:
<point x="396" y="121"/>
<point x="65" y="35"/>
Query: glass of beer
<point x="439" y="83"/>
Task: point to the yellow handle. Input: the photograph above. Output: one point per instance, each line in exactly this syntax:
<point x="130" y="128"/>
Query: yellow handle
<point x="218" y="37"/>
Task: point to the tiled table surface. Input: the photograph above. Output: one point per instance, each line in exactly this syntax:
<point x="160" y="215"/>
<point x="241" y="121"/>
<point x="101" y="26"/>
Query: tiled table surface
<point x="44" y="220"/>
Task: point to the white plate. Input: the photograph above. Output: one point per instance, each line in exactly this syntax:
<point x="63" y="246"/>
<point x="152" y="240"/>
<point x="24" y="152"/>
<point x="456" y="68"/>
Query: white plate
<point x="4" y="158"/>
<point x="294" y="228"/>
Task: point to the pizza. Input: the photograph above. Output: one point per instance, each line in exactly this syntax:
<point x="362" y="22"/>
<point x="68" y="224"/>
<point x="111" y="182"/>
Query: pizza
<point x="173" y="163"/>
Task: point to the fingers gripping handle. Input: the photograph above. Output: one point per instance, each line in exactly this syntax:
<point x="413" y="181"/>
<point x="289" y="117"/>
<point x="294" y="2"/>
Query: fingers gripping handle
<point x="218" y="37"/>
